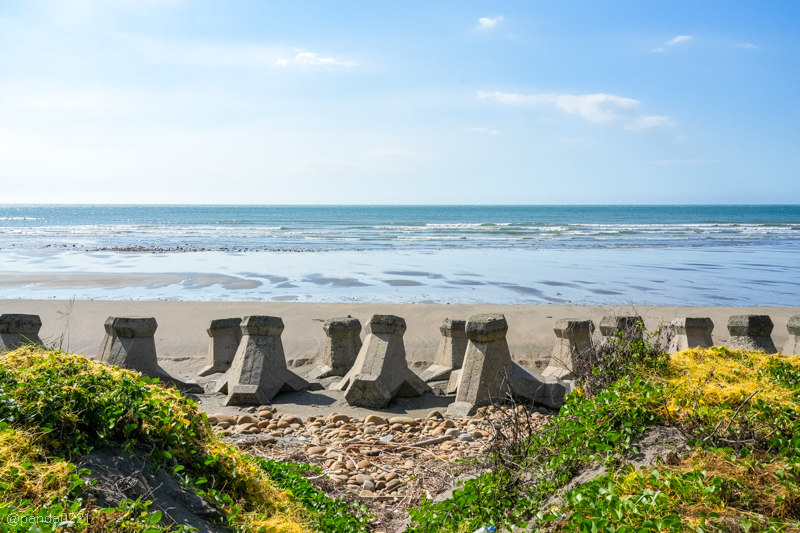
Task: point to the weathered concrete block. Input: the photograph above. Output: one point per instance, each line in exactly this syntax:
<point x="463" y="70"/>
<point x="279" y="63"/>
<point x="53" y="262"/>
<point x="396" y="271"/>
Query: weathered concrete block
<point x="489" y="375"/>
<point x="547" y="391"/>
<point x="627" y="324"/>
<point x="381" y="372"/>
<point x="487" y="365"/>
<point x="224" y="337"/>
<point x="792" y="346"/>
<point x="690" y="333"/>
<point x="751" y="332"/>
<point x="17" y="330"/>
<point x="129" y="343"/>
<point x="341" y="348"/>
<point x="452" y="383"/>
<point x="574" y="340"/>
<point x="450" y="355"/>
<point x="259" y="371"/>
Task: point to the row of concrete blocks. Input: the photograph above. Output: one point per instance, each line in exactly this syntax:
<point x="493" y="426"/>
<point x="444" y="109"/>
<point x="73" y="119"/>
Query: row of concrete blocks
<point x="128" y="343"/>
<point x="749" y="332"/>
<point x="376" y="371"/>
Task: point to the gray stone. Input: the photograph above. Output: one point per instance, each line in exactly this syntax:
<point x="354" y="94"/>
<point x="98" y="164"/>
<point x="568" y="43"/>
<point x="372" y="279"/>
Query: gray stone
<point x="690" y="333"/>
<point x="381" y="372"/>
<point x="792" y="346"/>
<point x="341" y="348"/>
<point x="751" y="332"/>
<point x="627" y="325"/>
<point x="450" y="355"/>
<point x="259" y="371"/>
<point x="17" y="330"/>
<point x="574" y="340"/>
<point x="224" y="337"/>
<point x="129" y="343"/>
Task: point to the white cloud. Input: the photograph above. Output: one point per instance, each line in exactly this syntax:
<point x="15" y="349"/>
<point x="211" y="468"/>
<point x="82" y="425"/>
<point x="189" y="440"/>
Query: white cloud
<point x="281" y="62"/>
<point x="485" y="130"/>
<point x="747" y="45"/>
<point x="598" y="108"/>
<point x="672" y="42"/>
<point x="487" y="22"/>
<point x="312" y="59"/>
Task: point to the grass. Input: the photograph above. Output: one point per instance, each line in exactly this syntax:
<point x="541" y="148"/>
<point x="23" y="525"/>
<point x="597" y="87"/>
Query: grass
<point x="56" y="407"/>
<point x="740" y="411"/>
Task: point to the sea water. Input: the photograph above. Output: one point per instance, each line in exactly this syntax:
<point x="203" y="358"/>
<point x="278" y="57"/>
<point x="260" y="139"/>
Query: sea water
<point x="656" y="255"/>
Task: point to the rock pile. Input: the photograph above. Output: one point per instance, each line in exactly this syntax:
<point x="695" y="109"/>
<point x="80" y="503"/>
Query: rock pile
<point x="375" y="456"/>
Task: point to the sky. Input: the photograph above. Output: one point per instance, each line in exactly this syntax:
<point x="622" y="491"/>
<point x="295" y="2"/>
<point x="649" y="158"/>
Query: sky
<point x="412" y="102"/>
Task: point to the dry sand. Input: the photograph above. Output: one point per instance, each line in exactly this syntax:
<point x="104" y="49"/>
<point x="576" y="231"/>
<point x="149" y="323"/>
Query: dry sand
<point x="182" y="341"/>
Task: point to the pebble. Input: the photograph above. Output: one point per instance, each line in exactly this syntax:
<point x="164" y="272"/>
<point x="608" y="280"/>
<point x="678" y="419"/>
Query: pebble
<point x="356" y="454"/>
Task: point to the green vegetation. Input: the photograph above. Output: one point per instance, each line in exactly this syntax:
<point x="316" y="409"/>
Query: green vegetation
<point x="740" y="410"/>
<point x="55" y="408"/>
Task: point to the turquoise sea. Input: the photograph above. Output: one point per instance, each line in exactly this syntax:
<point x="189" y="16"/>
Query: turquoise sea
<point x="658" y="255"/>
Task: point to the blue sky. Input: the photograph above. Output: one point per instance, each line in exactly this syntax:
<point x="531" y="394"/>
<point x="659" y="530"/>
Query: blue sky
<point x="540" y="102"/>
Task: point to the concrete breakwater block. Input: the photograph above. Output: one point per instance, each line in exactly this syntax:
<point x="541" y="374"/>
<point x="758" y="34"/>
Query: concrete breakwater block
<point x="17" y="330"/>
<point x="381" y="371"/>
<point x="792" y="346"/>
<point x="690" y="333"/>
<point x="130" y="343"/>
<point x="574" y="340"/>
<point x="224" y="337"/>
<point x="341" y="348"/>
<point x="751" y="332"/>
<point x="258" y="371"/>
<point x="450" y="355"/>
<point x="489" y="375"/>
<point x="626" y="325"/>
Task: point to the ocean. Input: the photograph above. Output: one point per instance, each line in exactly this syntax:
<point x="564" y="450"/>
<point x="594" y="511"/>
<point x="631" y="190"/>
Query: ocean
<point x="654" y="255"/>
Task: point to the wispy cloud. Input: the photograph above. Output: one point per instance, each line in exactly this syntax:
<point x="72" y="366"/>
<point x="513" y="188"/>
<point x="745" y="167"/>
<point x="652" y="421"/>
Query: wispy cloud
<point x="488" y="22"/>
<point x="598" y="108"/>
<point x="485" y="130"/>
<point x="310" y="59"/>
<point x="674" y="41"/>
<point x="747" y="45"/>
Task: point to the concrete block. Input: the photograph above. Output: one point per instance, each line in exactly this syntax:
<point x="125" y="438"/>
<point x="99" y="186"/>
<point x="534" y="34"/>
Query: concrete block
<point x="487" y="366"/>
<point x="452" y="383"/>
<point x="258" y="371"/>
<point x="546" y="391"/>
<point x="450" y="355"/>
<point x="224" y="337"/>
<point x="490" y="376"/>
<point x="792" y="346"/>
<point x="574" y="339"/>
<point x="690" y="333"/>
<point x="381" y="371"/>
<point x="627" y="324"/>
<point x="17" y="330"/>
<point x="751" y="332"/>
<point x="129" y="343"/>
<point x="341" y="348"/>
